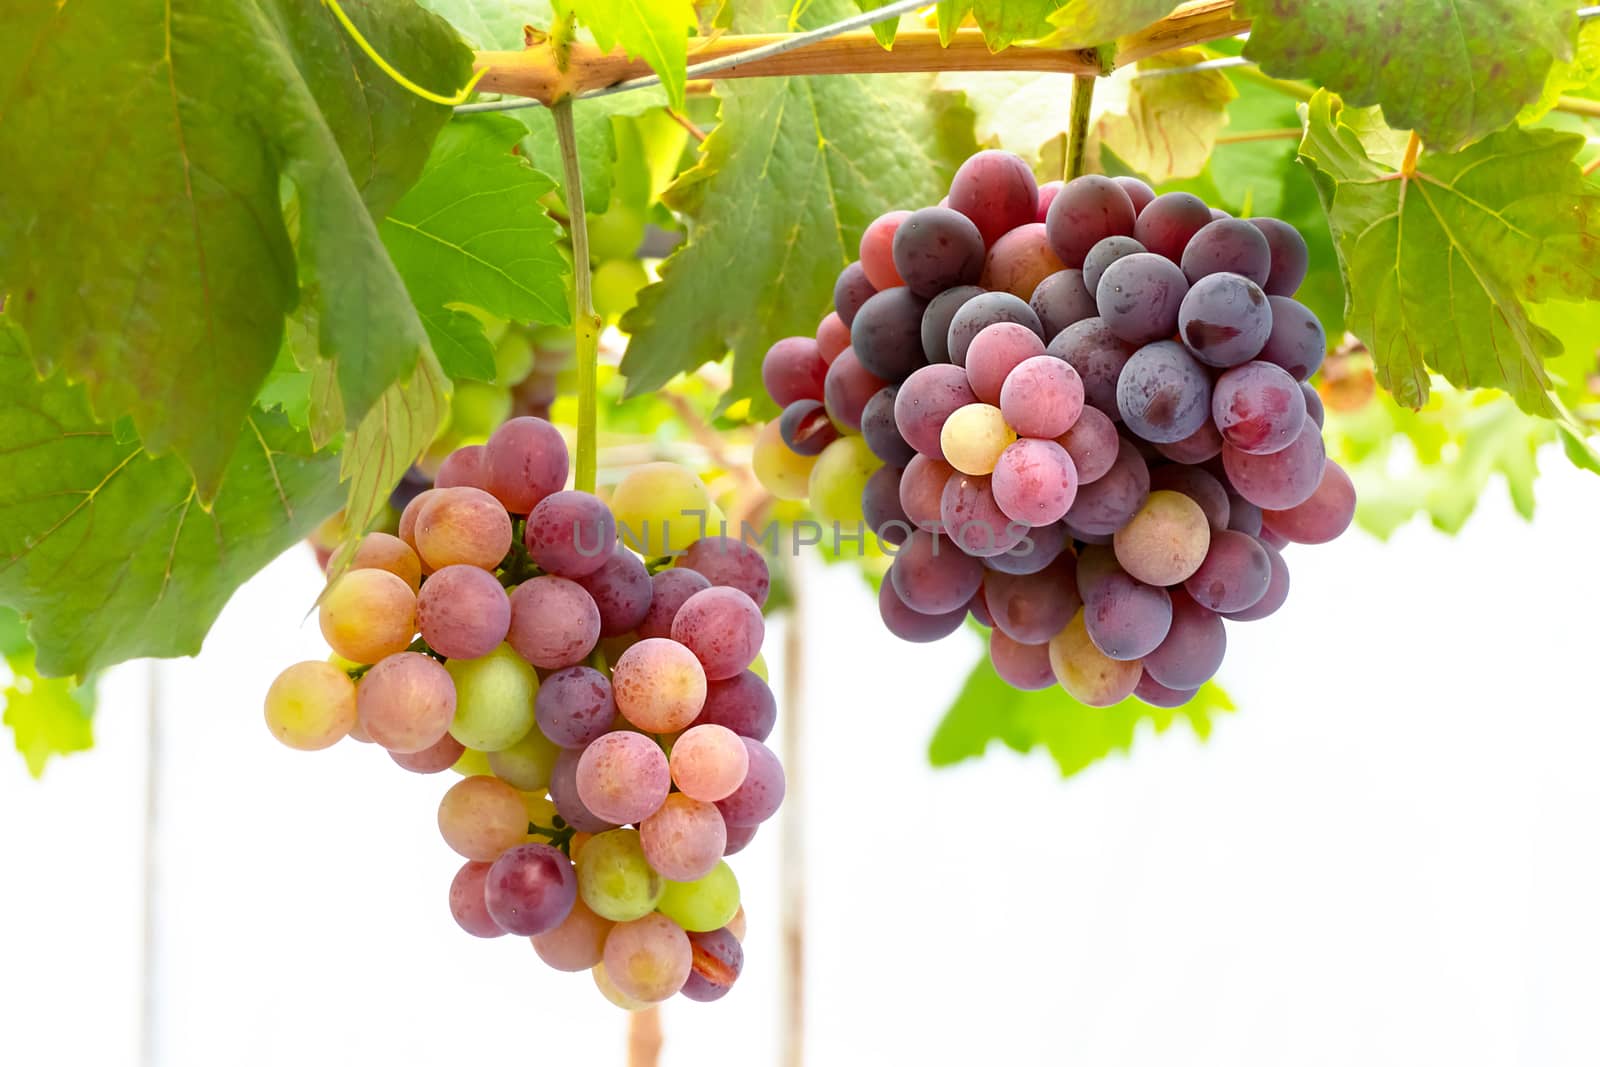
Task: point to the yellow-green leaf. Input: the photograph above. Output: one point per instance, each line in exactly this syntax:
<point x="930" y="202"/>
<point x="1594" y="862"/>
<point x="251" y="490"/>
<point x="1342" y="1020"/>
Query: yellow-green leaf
<point x="656" y="31"/>
<point x="1167" y="126"/>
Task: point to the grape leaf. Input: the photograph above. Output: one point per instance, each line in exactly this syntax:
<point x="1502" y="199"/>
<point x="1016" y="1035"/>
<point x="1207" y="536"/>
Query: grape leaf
<point x="1002" y="21"/>
<point x="1166" y="127"/>
<point x="47" y="716"/>
<point x="1023" y="112"/>
<point x="106" y="550"/>
<point x="391" y="437"/>
<point x="160" y="273"/>
<point x="787" y="181"/>
<point x="1095" y="22"/>
<point x="1440" y="268"/>
<point x="1076" y="735"/>
<point x="653" y="30"/>
<point x="472" y="231"/>
<point x="1578" y="75"/>
<point x="494" y="24"/>
<point x="1453" y="70"/>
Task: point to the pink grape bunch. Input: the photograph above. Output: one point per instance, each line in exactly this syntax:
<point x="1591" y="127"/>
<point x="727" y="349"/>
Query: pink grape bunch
<point x="606" y="720"/>
<point x="1086" y="420"/>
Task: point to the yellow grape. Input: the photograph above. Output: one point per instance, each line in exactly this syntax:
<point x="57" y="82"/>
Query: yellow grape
<point x="1087" y="673"/>
<point x="482" y="817"/>
<point x="783" y="473"/>
<point x="609" y="990"/>
<point x="472" y="762"/>
<point x="660" y="508"/>
<point x="386" y="552"/>
<point x="1165" y="541"/>
<point x="368" y="614"/>
<point x="311" y="705"/>
<point x="973" y="438"/>
<point x="528" y="763"/>
<point x="840" y="474"/>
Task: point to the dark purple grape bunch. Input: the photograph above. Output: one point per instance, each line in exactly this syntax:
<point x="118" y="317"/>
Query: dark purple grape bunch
<point x="1092" y="407"/>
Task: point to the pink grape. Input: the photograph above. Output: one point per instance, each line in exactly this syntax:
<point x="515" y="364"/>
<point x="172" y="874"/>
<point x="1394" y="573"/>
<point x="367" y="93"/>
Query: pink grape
<point x="729" y="561"/>
<point x="576" y="943"/>
<point x="554" y="622"/>
<point x="564" y="795"/>
<point x="659" y="685"/>
<point x="622" y="777"/>
<point x="1205" y="443"/>
<point x="1322" y="516"/>
<point x="997" y="191"/>
<point x="464" y="466"/>
<point x="738" y="838"/>
<point x="994" y="353"/>
<point x="743" y="704"/>
<point x="1138" y="191"/>
<point x="877" y="249"/>
<point x="1258" y="408"/>
<point x="648" y="959"/>
<point x="1104" y="505"/>
<point x="793" y="370"/>
<point x="1041" y="546"/>
<point x="480" y="817"/>
<point x="833" y="337"/>
<point x="760" y="794"/>
<point x="570" y="534"/>
<point x="669" y="589"/>
<point x="925" y="400"/>
<point x="922" y="490"/>
<point x="1019" y="261"/>
<point x="463" y="525"/>
<point x="385" y="552"/>
<point x="973" y="519"/>
<point x="708" y="762"/>
<point x="468" y="905"/>
<point x="621" y="590"/>
<point x="723" y="628"/>
<point x="933" y="576"/>
<point x="525" y="460"/>
<point x="1035" y="481"/>
<point x="1020" y="666"/>
<point x="1283" y="479"/>
<point x="847" y="388"/>
<point x="1033" y="608"/>
<point x="684" y="838"/>
<point x="439" y="756"/>
<point x="1047" y="196"/>
<point x="1088" y="209"/>
<point x="910" y="625"/>
<point x="1166" y="224"/>
<point x="1125" y="618"/>
<point x="1236" y="573"/>
<point x="1041" y="397"/>
<point x="1092" y="443"/>
<point x="850" y="291"/>
<point x="463" y="612"/>
<point x="406" y="701"/>
<point x="1277" y="590"/>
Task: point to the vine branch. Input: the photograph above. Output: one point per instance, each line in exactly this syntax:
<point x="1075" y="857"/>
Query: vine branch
<point x="586" y="326"/>
<point x="1078" y="132"/>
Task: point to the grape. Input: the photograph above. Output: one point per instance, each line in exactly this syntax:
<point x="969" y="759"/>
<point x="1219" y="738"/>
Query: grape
<point x="1019" y="261"/>
<point x="1167" y="223"/>
<point x="529" y="764"/>
<point x="1277" y="590"/>
<point x="1258" y="408"/>
<point x="1157" y="695"/>
<point x="1033" y="608"/>
<point x="1235" y="574"/>
<point x="1290" y="258"/>
<point x="1165" y="541"/>
<point x="839" y="478"/>
<point x="660" y="509"/>
<point x="1037" y="550"/>
<point x="1228" y="246"/>
<point x="554" y="622"/>
<point x="880" y="506"/>
<point x="648" y="959"/>
<point x="467" y="903"/>
<point x="385" y="552"/>
<point x="922" y="490"/>
<point x="1020" y="666"/>
<point x="729" y="561"/>
<point x="850" y="292"/>
<point x="1062" y="299"/>
<point x="463" y="525"/>
<point x="658" y="684"/>
<point x="806" y="428"/>
<point x="412" y="483"/>
<point x="760" y="793"/>
<point x="685" y="838"/>
<point x="406" y="528"/>
<point x="910" y="625"/>
<point x="576" y="943"/>
<point x="1314" y="409"/>
<point x="525" y="461"/>
<point x="481" y="817"/>
<point x="439" y="756"/>
<point x="978" y="608"/>
<point x="925" y="400"/>
<point x="1283" y="479"/>
<point x="1198" y="485"/>
<point x="1322" y="516"/>
<point x="973" y="520"/>
<point x="879" y="430"/>
<point x="887" y="334"/>
<point x="530" y="889"/>
<point x="1102" y="506"/>
<point x="463" y="612"/>
<point x="1164" y="395"/>
<point x="464" y="466"/>
<point x="1092" y="443"/>
<point x="973" y="438"/>
<point x="311" y="705"/>
<point x="1225" y="320"/>
<point x="614" y="878"/>
<point x="1139" y="193"/>
<point x="708" y="763"/>
<point x="717" y="960"/>
<point x="621" y="591"/>
<point x="877" y="249"/>
<point x="780" y="471"/>
<point x="1088" y="209"/>
<point x="936" y="248"/>
<point x="936" y="321"/>
<point x="704" y="904"/>
<point x="564" y="793"/>
<point x="994" y="353"/>
<point x="723" y="628"/>
<point x="1086" y="673"/>
<point x="933" y="576"/>
<point x="574" y="706"/>
<point x="1243" y="515"/>
<point x="405" y="702"/>
<point x="1098" y="355"/>
<point x="570" y="533"/>
<point x="738" y="838"/>
<point x="1034" y="482"/>
<point x="997" y="191"/>
<point x="1095" y="564"/>
<point x="848" y="387"/>
<point x="1271" y="539"/>
<point x="609" y="990"/>
<point x="669" y="589"/>
<point x="984" y="310"/>
<point x="367" y="615"/>
<point x="1193" y="648"/>
<point x="1085" y="537"/>
<point x="1139" y="297"/>
<point x="622" y="777"/>
<point x="471" y="762"/>
<point x="743" y="703"/>
<point x="1205" y="443"/>
<point x="1105" y="252"/>
<point x="833" y="337"/>
<point x="1047" y="196"/>
<point x="1125" y="618"/>
<point x="494" y="699"/>
<point x="1296" y="341"/>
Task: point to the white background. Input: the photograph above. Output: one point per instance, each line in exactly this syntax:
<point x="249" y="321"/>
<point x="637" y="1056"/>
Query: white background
<point x="1387" y="856"/>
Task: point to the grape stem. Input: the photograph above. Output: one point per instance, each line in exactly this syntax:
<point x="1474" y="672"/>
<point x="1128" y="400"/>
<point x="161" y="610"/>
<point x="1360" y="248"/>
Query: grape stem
<point x="586" y="325"/>
<point x="560" y="837"/>
<point x="419" y="645"/>
<point x="1078" y="134"/>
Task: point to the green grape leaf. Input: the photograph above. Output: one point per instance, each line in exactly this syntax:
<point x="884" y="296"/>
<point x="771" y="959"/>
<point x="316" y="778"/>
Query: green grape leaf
<point x="1076" y="735"/>
<point x="106" y="549"/>
<point x="161" y="272"/>
<point x="1084" y="23"/>
<point x="1578" y="75"/>
<point x="1003" y="22"/>
<point x="1022" y="112"/>
<point x="48" y="717"/>
<point x="391" y="437"/>
<point x="13" y="634"/>
<point x="471" y="231"/>
<point x="791" y="175"/>
<point x="493" y="24"/>
<point x="1166" y="127"/>
<point x="1440" y="268"/>
<point x="656" y="31"/>
<point x="1453" y="70"/>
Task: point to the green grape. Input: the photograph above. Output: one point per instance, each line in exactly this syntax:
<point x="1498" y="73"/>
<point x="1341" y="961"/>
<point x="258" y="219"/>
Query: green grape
<point x="659" y="508"/>
<point x="781" y="471"/>
<point x="477" y="408"/>
<point x="526" y="764"/>
<point x="614" y="878"/>
<point x="838" y="479"/>
<point x="472" y="764"/>
<point x="617" y="233"/>
<point x="494" y="699"/>
<point x="513" y="357"/>
<point x="616" y="287"/>
<point x="704" y="904"/>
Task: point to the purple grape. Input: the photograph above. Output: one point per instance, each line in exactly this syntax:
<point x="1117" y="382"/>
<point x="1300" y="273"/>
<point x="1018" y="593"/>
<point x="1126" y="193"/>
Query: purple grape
<point x="994" y="353"/>
<point x="1168" y="222"/>
<point x="1198" y="485"/>
<point x="1193" y="648"/>
<point x="554" y="622"/>
<point x="570" y="533"/>
<point x="1126" y="619"/>
<point x="1277" y="590"/>
<point x="878" y="429"/>
<point x="996" y="190"/>
<point x="743" y="703"/>
<point x="922" y="490"/>
<point x="761" y="794"/>
<point x="1290" y="257"/>
<point x="972" y="518"/>
<point x="621" y="590"/>
<point x="1033" y="608"/>
<point x="668" y="590"/>
<point x="574" y="706"/>
<point x="530" y="889"/>
<point x="1095" y="564"/>
<point x="524" y="461"/>
<point x="909" y="625"/>
<point x="1098" y="355"/>
<point x="1139" y="192"/>
<point x="738" y="838"/>
<point x="1092" y="443"/>
<point x="1061" y="300"/>
<point x="886" y="335"/>
<point x="1039" y="548"/>
<point x="936" y="321"/>
<point x="850" y="292"/>
<point x="1139" y="297"/>
<point x="936" y="248"/>
<point x="729" y="561"/>
<point x="793" y="370"/>
<point x="1296" y="342"/>
<point x="983" y="310"/>
<point x="1225" y="320"/>
<point x="1088" y="209"/>
<point x="1234" y="575"/>
<point x="1157" y="695"/>
<point x="1284" y="478"/>
<point x="806" y="428"/>
<point x="1202" y="445"/>
<point x="847" y="388"/>
<point x="1228" y="245"/>
<point x="1314" y="409"/>
<point x="1021" y="666"/>
<point x="718" y="958"/>
<point x="1104" y="505"/>
<point x="1258" y="408"/>
<point x="1321" y="517"/>
<point x="931" y="575"/>
<point x="1164" y="395"/>
<point x="564" y="795"/>
<point x="978" y="608"/>
<point x="1243" y="515"/>
<point x="925" y="400"/>
<point x="1105" y="252"/>
<point x="880" y="506"/>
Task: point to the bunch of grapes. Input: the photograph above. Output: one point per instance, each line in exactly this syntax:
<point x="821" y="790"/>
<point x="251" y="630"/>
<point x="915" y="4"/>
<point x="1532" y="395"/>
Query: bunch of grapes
<point x="1078" y="413"/>
<point x="606" y="719"/>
